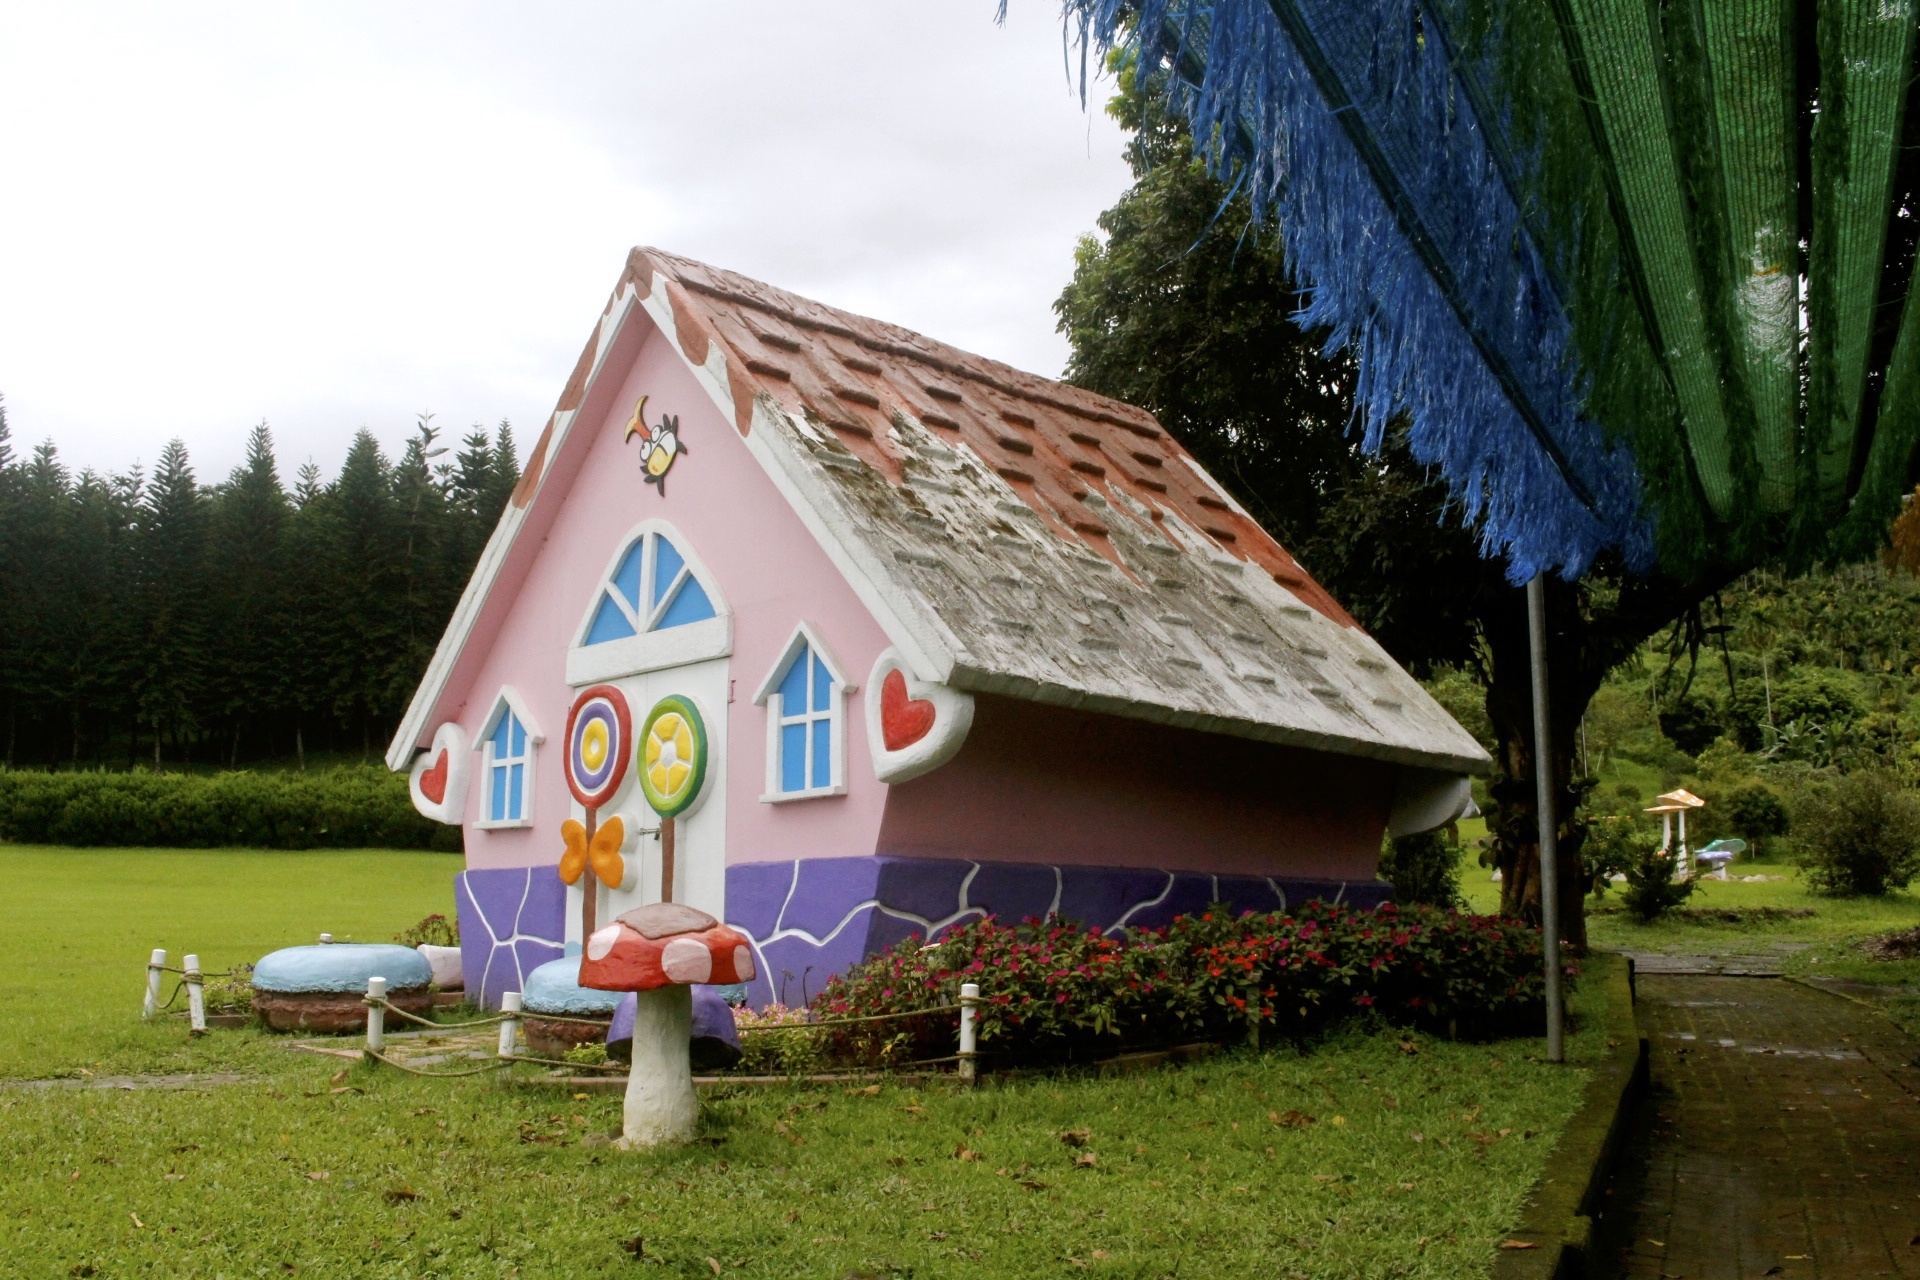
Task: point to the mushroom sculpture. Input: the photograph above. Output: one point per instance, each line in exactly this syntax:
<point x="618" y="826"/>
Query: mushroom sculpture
<point x="659" y="952"/>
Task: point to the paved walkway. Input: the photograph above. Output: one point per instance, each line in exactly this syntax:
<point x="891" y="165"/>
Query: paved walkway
<point x="1781" y="1138"/>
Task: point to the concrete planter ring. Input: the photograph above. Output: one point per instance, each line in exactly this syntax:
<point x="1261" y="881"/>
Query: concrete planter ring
<point x="320" y="988"/>
<point x="554" y="989"/>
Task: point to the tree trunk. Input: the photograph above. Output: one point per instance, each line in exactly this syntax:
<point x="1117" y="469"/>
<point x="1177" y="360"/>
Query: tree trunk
<point x="299" y="743"/>
<point x="1592" y="626"/>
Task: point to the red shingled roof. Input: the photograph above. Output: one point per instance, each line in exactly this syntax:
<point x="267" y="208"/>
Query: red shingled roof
<point x="1052" y="442"/>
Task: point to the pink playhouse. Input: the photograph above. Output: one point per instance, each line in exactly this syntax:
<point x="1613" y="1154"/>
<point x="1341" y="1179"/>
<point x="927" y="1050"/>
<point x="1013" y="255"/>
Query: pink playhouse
<point x="906" y="636"/>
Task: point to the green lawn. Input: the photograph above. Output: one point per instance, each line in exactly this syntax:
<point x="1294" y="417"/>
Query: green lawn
<point x="1413" y="1164"/>
<point x="81" y="923"/>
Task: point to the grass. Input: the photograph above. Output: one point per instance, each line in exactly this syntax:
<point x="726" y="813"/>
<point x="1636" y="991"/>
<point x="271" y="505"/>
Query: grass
<point x="82" y="921"/>
<point x="1414" y="1163"/>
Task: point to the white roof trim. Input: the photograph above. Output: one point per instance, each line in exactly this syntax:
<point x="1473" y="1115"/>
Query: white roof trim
<point x="510" y="699"/>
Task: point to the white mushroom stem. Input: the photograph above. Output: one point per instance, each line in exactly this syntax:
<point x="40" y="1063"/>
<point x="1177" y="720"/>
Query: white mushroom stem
<point x="661" y="1106"/>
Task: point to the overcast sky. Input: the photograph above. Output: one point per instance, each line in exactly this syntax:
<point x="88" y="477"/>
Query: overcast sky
<point x="344" y="214"/>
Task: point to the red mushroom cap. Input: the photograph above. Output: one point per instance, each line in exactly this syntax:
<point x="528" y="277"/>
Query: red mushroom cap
<point x="665" y="945"/>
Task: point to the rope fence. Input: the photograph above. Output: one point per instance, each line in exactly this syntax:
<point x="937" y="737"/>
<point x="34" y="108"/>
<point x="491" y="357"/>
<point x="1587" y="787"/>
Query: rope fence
<point x="512" y="1014"/>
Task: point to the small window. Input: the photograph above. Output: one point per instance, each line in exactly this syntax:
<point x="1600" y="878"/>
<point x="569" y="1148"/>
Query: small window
<point x="650" y="589"/>
<point x="508" y="767"/>
<point x="805" y="699"/>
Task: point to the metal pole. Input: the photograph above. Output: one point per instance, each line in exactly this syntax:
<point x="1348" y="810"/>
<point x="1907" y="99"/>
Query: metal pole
<point x="1543" y="802"/>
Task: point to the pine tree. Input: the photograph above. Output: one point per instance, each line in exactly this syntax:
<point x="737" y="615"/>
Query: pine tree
<point x="249" y="578"/>
<point x="172" y="566"/>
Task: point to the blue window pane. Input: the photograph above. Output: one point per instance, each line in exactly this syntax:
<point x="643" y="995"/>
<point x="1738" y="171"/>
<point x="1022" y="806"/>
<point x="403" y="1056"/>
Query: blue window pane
<point x="793" y="757"/>
<point x="822" y="685"/>
<point x="499" y="738"/>
<point x="514" y="789"/>
<point x="518" y="746"/>
<point x="690" y="605"/>
<point x="666" y="567"/>
<point x="497" y="808"/>
<point x="793" y="689"/>
<point x="823" y="753"/>
<point x="608" y="623"/>
<point x="627" y="576"/>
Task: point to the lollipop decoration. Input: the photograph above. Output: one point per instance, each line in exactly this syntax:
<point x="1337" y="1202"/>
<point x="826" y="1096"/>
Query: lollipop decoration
<point x="599" y="744"/>
<point x="673" y="768"/>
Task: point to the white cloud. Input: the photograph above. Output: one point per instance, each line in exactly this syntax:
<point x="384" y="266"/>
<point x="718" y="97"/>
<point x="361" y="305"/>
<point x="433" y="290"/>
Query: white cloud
<point x="339" y="215"/>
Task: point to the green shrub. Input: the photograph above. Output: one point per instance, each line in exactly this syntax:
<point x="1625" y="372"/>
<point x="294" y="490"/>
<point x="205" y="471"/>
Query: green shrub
<point x="1858" y="835"/>
<point x="1690" y="723"/>
<point x="1651" y="888"/>
<point x="360" y="807"/>
<point x="1755" y="812"/>
<point x="1610" y="843"/>
<point x="434" y="931"/>
<point x="778" y="1041"/>
<point x="1424" y="869"/>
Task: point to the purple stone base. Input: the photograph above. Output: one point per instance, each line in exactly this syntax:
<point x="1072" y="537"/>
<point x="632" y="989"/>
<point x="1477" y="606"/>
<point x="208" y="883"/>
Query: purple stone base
<point x="512" y="921"/>
<point x="815" y="917"/>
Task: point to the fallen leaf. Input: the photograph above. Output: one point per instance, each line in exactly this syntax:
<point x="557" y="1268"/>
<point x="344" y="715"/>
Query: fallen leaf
<point x="964" y="1152"/>
<point x="936" y="1235"/>
<point x="1326" y="1177"/>
<point x="1484" y="1139"/>
<point x="136" y="1220"/>
<point x="1339" y="1120"/>
<point x="174" y="1177"/>
<point x="1033" y="1184"/>
<point x="398" y="1195"/>
<point x="621" y="1202"/>
<point x="337" y="1076"/>
<point x="1292" y="1119"/>
<point x="1101" y="1253"/>
<point x="1419" y="1137"/>
<point x="1408" y="1046"/>
<point x="714" y="1263"/>
<point x="347" y="1088"/>
<point x="1076" y="1137"/>
<point x="1470" y="1115"/>
<point x="1085" y="1160"/>
<point x="579" y="1097"/>
<point x="871" y="1091"/>
<point x="319" y="1175"/>
<point x="1519" y="1244"/>
<point x="793" y="1215"/>
<point x="75" y="1176"/>
<point x="186" y="1146"/>
<point x="914" y="1109"/>
<point x="636" y="1246"/>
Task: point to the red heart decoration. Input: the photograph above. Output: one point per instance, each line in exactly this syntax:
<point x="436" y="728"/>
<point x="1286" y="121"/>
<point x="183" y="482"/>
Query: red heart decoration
<point x="433" y="783"/>
<point x="903" y="720"/>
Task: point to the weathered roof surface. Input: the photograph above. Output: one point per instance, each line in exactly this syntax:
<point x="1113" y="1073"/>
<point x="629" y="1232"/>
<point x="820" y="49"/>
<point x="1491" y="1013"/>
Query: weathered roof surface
<point x="1011" y="534"/>
<point x="1037" y="539"/>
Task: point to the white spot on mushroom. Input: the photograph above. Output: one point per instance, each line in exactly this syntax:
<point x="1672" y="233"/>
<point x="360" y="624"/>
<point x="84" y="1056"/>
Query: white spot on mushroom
<point x="743" y="964"/>
<point x="602" y="942"/>
<point x="687" y="960"/>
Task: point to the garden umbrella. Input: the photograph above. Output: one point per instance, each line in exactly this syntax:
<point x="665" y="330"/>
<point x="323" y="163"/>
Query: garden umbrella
<point x="1635" y="275"/>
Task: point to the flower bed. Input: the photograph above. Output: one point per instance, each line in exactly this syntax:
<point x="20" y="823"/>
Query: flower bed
<point x="1053" y="991"/>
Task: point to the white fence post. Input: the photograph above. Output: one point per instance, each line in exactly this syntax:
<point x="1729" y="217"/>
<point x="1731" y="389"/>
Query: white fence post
<point x="510" y="1029"/>
<point x="196" y="1001"/>
<point x="376" y="1016"/>
<point x="156" y="963"/>
<point x="969" y="997"/>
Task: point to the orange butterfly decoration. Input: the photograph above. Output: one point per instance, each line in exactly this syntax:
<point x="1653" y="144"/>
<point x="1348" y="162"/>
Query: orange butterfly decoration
<point x="604" y="852"/>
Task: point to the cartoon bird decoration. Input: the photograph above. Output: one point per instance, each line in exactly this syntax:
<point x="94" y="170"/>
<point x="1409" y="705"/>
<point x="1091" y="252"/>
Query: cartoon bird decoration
<point x="603" y="852"/>
<point x="659" y="445"/>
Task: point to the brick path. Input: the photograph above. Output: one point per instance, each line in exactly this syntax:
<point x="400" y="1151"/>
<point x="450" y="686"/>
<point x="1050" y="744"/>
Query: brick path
<point x="1781" y="1138"/>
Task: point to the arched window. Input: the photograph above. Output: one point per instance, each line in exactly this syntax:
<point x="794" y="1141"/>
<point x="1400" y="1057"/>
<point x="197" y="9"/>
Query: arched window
<point x="506" y="744"/>
<point x="650" y="589"/>
<point x="806" y="697"/>
<point x="656" y="607"/>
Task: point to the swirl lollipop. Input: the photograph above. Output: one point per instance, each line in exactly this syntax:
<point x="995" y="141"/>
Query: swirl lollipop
<point x="599" y="746"/>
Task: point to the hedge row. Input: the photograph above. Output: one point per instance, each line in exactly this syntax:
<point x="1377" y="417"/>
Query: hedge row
<point x="362" y="807"/>
<point x="1052" y="990"/>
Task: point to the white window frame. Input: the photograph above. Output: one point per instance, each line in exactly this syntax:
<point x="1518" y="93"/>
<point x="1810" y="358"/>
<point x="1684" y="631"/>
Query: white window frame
<point x="768" y="696"/>
<point x="649" y="650"/>
<point x="509" y="700"/>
